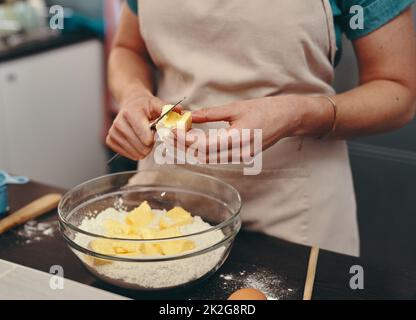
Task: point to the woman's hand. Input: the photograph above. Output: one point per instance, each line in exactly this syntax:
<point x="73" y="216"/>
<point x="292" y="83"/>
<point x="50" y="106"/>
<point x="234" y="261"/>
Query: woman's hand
<point x="130" y="134"/>
<point x="277" y="117"/>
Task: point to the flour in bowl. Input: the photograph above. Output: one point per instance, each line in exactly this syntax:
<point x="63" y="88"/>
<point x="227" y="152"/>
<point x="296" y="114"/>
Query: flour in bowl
<point x="154" y="224"/>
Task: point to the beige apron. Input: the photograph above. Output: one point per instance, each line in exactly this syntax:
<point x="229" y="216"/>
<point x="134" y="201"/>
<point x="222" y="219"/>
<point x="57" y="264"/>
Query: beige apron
<point x="216" y="52"/>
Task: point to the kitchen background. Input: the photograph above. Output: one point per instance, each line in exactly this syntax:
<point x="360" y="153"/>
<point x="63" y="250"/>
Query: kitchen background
<point x="53" y="115"/>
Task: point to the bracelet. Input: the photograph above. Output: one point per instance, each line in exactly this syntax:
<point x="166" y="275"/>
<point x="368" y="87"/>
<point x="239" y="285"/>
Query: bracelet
<point x="334" y="122"/>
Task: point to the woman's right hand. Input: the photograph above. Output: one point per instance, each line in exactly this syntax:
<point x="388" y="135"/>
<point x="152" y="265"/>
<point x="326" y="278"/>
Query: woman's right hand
<point x="130" y="134"/>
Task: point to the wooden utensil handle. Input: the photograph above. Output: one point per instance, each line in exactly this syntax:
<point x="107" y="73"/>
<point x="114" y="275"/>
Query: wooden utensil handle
<point x="31" y="211"/>
<point x="310" y="276"/>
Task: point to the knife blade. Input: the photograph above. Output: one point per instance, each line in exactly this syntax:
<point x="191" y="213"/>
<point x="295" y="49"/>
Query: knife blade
<point x="155" y="122"/>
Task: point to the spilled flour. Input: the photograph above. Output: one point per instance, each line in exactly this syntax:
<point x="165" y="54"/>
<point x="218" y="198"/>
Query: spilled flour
<point x="34" y="231"/>
<point x="263" y="280"/>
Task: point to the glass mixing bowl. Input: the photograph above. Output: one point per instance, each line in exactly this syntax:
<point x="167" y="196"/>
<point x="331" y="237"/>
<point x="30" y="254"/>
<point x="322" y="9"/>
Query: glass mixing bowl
<point x="216" y="202"/>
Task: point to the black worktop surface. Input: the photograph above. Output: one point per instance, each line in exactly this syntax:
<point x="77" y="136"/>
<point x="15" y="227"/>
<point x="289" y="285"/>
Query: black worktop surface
<point x="271" y="264"/>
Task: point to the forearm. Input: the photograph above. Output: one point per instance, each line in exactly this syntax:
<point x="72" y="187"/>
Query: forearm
<point x="129" y="72"/>
<point x="374" y="107"/>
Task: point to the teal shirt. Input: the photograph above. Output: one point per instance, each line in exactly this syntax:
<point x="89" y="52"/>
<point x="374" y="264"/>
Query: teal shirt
<point x="376" y="14"/>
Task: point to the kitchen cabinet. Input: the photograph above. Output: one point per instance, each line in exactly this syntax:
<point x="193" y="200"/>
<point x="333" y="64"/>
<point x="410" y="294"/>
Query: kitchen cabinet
<point x="51" y="111"/>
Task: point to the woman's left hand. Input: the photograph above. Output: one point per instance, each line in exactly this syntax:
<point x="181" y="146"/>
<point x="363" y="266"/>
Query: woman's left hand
<point x="277" y="117"/>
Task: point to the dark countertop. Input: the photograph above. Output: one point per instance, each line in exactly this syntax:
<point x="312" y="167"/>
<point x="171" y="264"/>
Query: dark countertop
<point x="273" y="265"/>
<point x="38" y="46"/>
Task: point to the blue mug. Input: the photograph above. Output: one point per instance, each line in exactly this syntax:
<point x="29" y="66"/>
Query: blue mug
<point x="6" y="179"/>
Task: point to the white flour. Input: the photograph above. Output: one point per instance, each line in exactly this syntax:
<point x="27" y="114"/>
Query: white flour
<point x="268" y="283"/>
<point x="162" y="274"/>
<point x="33" y="231"/>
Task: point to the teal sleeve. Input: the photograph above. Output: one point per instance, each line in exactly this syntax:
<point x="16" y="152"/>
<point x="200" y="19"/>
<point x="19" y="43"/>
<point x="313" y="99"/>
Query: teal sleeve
<point x="337" y="14"/>
<point x="133" y="5"/>
<point x="377" y="13"/>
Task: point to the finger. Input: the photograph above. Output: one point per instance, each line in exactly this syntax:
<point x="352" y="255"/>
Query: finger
<point x="113" y="145"/>
<point x="124" y="143"/>
<point x="140" y="124"/>
<point x="178" y="140"/>
<point x="223" y="139"/>
<point x="224" y="146"/>
<point x="213" y="114"/>
<point x="192" y="137"/>
<point x="128" y="133"/>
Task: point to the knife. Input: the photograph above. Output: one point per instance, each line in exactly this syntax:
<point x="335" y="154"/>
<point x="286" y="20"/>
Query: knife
<point x="152" y="127"/>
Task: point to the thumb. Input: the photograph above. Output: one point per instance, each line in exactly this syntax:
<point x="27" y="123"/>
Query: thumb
<point x="213" y="114"/>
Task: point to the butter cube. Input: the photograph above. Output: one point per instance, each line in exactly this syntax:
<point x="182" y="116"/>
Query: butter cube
<point x="166" y="222"/>
<point x="101" y="246"/>
<point x="109" y="247"/>
<point x="185" y="122"/>
<point x="146" y="233"/>
<point x="176" y="120"/>
<point x="175" y="217"/>
<point x="188" y="246"/>
<point x="115" y="228"/>
<point x="123" y="247"/>
<point x="176" y="246"/>
<point x="120" y="250"/>
<point x="96" y="261"/>
<point x="141" y="216"/>
<point x="151" y="249"/>
<point x="167" y="233"/>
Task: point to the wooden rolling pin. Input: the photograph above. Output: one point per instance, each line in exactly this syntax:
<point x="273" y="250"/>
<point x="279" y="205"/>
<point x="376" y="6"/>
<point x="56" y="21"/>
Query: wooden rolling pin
<point x="310" y="276"/>
<point x="32" y="211"/>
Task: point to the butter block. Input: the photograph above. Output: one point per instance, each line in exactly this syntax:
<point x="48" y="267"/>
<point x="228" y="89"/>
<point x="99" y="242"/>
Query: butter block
<point x="96" y="261"/>
<point x="151" y="249"/>
<point x="173" y="247"/>
<point x="141" y="216"/>
<point x="146" y="233"/>
<point x="175" y="217"/>
<point x="116" y="229"/>
<point x="185" y="122"/>
<point x="176" y="120"/>
<point x="110" y="247"/>
<point x="102" y="246"/>
<point x="124" y="247"/>
<point x="167" y="233"/>
<point x="176" y="246"/>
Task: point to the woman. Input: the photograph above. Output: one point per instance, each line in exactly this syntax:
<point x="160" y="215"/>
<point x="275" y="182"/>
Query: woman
<point x="268" y="65"/>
